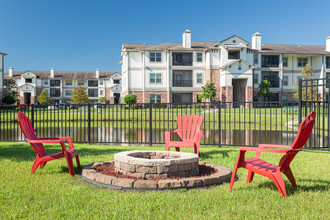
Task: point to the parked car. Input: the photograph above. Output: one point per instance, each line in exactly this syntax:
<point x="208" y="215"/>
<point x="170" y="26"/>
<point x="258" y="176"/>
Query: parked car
<point x="97" y="105"/>
<point x="73" y="106"/>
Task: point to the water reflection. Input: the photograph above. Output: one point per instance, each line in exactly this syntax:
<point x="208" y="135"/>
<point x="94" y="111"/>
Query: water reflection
<point x="142" y="135"/>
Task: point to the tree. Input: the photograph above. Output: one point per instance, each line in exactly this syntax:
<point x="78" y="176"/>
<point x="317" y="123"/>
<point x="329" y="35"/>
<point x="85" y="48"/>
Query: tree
<point x="209" y="91"/>
<point x="44" y="98"/>
<point x="9" y="99"/>
<point x="11" y="88"/>
<point x="310" y="88"/>
<point x="79" y="96"/>
<point x="263" y="89"/>
<point x="130" y="99"/>
<point x="102" y="99"/>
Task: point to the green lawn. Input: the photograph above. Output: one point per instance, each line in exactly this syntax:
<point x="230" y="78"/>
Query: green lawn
<point x="51" y="193"/>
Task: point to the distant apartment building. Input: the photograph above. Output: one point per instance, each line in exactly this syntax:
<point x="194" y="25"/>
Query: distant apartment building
<point x="60" y="84"/>
<point x="175" y="72"/>
<point x="2" y="64"/>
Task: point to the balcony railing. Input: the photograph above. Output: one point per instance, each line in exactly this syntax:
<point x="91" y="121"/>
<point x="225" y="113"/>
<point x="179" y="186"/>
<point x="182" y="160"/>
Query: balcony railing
<point x="182" y="83"/>
<point x="183" y="62"/>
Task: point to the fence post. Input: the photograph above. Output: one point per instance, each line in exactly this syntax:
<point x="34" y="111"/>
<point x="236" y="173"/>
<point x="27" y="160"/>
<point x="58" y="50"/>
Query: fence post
<point x="300" y="101"/>
<point x="150" y="123"/>
<point x="89" y="124"/>
<point x="219" y="118"/>
<point x="32" y="115"/>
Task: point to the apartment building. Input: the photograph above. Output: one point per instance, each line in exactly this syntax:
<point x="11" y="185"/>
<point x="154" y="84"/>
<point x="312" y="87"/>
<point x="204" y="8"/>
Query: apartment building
<point x="60" y="84"/>
<point x="2" y="64"/>
<point x="175" y="72"/>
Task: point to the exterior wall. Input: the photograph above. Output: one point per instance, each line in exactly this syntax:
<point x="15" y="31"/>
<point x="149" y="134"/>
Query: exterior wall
<point x="1" y="76"/>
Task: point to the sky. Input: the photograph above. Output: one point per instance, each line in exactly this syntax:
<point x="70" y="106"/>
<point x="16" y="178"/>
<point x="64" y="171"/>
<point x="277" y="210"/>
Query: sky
<point x="82" y="35"/>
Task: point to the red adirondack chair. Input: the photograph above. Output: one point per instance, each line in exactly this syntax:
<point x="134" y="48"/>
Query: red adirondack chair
<point x="256" y="165"/>
<point x="37" y="144"/>
<point x="189" y="133"/>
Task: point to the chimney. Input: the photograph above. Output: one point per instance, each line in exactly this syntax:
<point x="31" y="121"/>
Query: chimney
<point x="186" y="39"/>
<point x="52" y="72"/>
<point x="327" y="47"/>
<point x="10" y="72"/>
<point x="256" y="41"/>
<point x="97" y="73"/>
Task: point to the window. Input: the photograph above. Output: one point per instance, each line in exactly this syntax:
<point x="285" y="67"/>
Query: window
<point x="101" y="82"/>
<point x="285" y="61"/>
<point x="155" y="78"/>
<point x="233" y="54"/>
<point x="199" y="57"/>
<point x="101" y="92"/>
<point x="55" y="93"/>
<point x="46" y="82"/>
<point x="302" y="62"/>
<point x="92" y="93"/>
<point x="155" y="57"/>
<point x="328" y="62"/>
<point x="92" y="83"/>
<point x="68" y="82"/>
<point x="255" y="78"/>
<point x="285" y="81"/>
<point x="28" y="80"/>
<point x="68" y="92"/>
<point x="155" y="98"/>
<point x="55" y="82"/>
<point x="116" y="81"/>
<point x="81" y="82"/>
<point x="182" y="59"/>
<point x="255" y="58"/>
<point x="5" y="82"/>
<point x="270" y="61"/>
<point x="199" y="77"/>
<point x="284" y="98"/>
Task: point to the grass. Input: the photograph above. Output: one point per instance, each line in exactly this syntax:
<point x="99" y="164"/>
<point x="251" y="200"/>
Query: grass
<point x="53" y="193"/>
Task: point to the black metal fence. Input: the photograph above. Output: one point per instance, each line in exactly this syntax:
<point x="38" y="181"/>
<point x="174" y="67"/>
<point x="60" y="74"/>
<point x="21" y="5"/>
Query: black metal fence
<point x="225" y="123"/>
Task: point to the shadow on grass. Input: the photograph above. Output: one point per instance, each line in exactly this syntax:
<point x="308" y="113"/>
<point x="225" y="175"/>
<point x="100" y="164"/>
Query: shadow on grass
<point x="315" y="185"/>
<point x="214" y="153"/>
<point x="24" y="152"/>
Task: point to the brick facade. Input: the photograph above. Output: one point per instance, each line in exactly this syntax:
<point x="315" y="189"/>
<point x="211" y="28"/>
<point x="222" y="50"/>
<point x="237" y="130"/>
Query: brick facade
<point x="213" y="75"/>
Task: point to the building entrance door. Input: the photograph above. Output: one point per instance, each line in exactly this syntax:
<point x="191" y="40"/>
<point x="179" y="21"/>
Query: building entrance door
<point x="27" y="98"/>
<point x="116" y="98"/>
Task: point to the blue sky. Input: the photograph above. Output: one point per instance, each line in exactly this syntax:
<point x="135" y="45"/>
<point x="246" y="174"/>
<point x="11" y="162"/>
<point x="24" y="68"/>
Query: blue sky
<point x="80" y="35"/>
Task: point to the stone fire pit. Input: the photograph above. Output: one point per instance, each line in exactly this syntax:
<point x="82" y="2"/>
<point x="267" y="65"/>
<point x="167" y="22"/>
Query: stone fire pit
<point x="156" y="164"/>
<point x="155" y="170"/>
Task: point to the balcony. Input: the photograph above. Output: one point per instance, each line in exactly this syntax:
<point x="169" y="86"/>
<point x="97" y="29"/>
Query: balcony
<point x="328" y="63"/>
<point x="273" y="78"/>
<point x="55" y="83"/>
<point x="270" y="61"/>
<point x="93" y="83"/>
<point x="182" y="83"/>
<point x="182" y="59"/>
<point x="55" y="93"/>
<point x="93" y="93"/>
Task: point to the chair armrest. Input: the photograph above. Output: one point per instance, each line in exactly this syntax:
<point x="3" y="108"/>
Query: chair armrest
<point x="46" y="141"/>
<point x="273" y="146"/>
<point x="68" y="139"/>
<point x="262" y="150"/>
<point x="168" y="135"/>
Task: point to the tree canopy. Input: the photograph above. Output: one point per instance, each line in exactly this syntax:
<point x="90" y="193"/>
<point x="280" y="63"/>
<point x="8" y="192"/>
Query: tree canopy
<point x="44" y="98"/>
<point x="79" y="96"/>
<point x="310" y="88"/>
<point x="208" y="91"/>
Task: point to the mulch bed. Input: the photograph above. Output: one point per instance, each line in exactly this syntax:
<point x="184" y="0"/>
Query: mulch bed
<point x="109" y="169"/>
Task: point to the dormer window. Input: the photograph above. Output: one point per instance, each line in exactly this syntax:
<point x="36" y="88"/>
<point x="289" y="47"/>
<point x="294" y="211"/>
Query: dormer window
<point x="233" y="54"/>
<point x="28" y="80"/>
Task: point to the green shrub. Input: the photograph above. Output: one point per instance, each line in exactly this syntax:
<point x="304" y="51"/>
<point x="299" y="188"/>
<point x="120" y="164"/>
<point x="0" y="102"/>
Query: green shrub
<point x="130" y="99"/>
<point x="9" y="99"/>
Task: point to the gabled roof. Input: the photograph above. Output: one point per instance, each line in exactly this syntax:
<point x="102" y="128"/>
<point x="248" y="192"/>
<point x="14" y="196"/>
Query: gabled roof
<point x="74" y="75"/>
<point x="3" y="53"/>
<point x="232" y="37"/>
<point x="233" y="62"/>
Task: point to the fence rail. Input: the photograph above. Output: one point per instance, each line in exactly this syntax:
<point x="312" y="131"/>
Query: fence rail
<point x="225" y="123"/>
